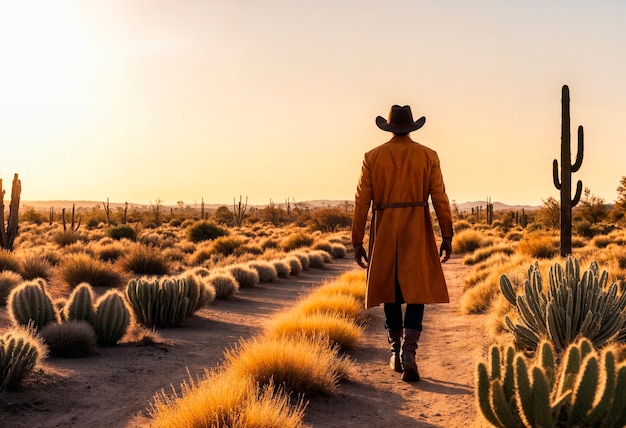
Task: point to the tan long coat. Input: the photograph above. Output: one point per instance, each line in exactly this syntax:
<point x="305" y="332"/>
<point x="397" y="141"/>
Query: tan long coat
<point x="402" y="239"/>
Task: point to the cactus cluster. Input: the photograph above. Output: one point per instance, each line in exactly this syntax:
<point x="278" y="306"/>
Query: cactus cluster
<point x="587" y="389"/>
<point x="20" y="351"/>
<point x="572" y="307"/>
<point x="158" y="302"/>
<point x="29" y="303"/>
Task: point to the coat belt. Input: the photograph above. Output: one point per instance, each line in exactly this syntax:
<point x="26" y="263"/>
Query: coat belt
<point x="399" y="205"/>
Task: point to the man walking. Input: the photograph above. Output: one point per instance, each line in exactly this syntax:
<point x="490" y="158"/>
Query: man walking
<point x="397" y="179"/>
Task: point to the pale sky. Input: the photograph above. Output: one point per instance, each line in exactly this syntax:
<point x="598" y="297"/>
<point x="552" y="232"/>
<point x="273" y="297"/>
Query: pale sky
<point x="139" y="100"/>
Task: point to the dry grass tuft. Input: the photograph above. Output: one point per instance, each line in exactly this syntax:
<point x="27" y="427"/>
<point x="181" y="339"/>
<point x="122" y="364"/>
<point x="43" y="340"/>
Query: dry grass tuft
<point x="223" y="400"/>
<point x="266" y="270"/>
<point x="539" y="245"/>
<point x="340" y="332"/>
<point x="225" y="284"/>
<point x="299" y="365"/>
<point x="79" y="267"/>
<point x="70" y="339"/>
<point x="295" y="266"/>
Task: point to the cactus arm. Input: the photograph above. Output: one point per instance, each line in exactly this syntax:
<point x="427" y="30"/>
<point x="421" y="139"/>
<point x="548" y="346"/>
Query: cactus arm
<point x="555" y="174"/>
<point x="585" y="389"/>
<point x="616" y="415"/>
<point x="502" y="408"/>
<point x="579" y="154"/>
<point x="507" y="289"/>
<point x="523" y="392"/>
<point x="483" y="394"/>
<point x="607" y="385"/>
<point x="579" y="190"/>
<point x="541" y="399"/>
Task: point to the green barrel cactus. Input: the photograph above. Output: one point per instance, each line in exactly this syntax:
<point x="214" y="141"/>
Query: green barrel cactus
<point x="571" y="307"/>
<point x="80" y="305"/>
<point x="158" y="303"/>
<point x="20" y="351"/>
<point x="588" y="389"/>
<point x="112" y="318"/>
<point x="198" y="292"/>
<point x="29" y="303"/>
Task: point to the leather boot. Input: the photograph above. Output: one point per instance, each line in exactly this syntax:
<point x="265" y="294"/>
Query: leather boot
<point x="395" y="340"/>
<point x="407" y="355"/>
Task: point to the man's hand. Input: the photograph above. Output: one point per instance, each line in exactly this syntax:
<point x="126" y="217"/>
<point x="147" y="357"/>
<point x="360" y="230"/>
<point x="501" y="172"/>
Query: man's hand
<point x="359" y="255"/>
<point x="446" y="247"/>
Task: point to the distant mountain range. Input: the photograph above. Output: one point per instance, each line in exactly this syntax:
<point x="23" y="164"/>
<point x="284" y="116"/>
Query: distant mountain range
<point x="318" y="203"/>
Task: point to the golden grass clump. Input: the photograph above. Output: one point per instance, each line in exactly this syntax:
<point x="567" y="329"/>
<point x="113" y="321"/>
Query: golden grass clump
<point x="295" y="266"/>
<point x="335" y="304"/>
<point x="110" y="252"/>
<point x="8" y="281"/>
<point x="340" y="332"/>
<point x="283" y="269"/>
<point x="318" y="259"/>
<point x="226" y="245"/>
<point x="245" y="276"/>
<point x="303" y="256"/>
<point x="223" y="400"/>
<point x="351" y="283"/>
<point x="224" y="283"/>
<point x="9" y="261"/>
<point x="296" y="240"/>
<point x="77" y="268"/>
<point x="539" y="245"/>
<point x="143" y="259"/>
<point x="482" y="254"/>
<point x="298" y="364"/>
<point x="34" y="266"/>
<point x="467" y="241"/>
<point x="478" y="297"/>
<point x="266" y="270"/>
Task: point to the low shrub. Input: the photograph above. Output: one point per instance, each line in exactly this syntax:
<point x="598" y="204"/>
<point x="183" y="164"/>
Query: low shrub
<point x="70" y="339"/>
<point x="316" y="259"/>
<point x="246" y="277"/>
<point x="9" y="261"/>
<point x="79" y="267"/>
<point x="467" y="241"/>
<point x="226" y="245"/>
<point x="539" y="245"/>
<point x="205" y="231"/>
<point x="296" y="240"/>
<point x="224" y="283"/>
<point x="8" y="281"/>
<point x="338" y="251"/>
<point x="267" y="271"/>
<point x="65" y="238"/>
<point x="283" y="270"/>
<point x="34" y="266"/>
<point x="144" y="260"/>
<point x="122" y="231"/>
<point x="295" y="266"/>
<point x="303" y="257"/>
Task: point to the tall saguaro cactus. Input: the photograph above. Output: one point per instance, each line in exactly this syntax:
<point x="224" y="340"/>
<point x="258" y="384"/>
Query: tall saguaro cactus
<point x="8" y="234"/>
<point x="567" y="168"/>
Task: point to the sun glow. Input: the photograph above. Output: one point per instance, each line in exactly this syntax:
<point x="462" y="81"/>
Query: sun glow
<point x="51" y="65"/>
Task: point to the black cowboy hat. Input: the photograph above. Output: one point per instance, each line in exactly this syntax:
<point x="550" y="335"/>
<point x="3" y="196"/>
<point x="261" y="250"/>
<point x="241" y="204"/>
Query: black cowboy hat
<point x="400" y="121"/>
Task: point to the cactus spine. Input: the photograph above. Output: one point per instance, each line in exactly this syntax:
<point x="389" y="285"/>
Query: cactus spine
<point x="112" y="318"/>
<point x="20" y="351"/>
<point x="589" y="391"/>
<point x="567" y="168"/>
<point x="80" y="305"/>
<point x="573" y="306"/>
<point x="29" y="302"/>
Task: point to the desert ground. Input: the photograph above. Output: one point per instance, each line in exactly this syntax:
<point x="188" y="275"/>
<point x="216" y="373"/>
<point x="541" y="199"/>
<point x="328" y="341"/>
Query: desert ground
<point x="115" y="387"/>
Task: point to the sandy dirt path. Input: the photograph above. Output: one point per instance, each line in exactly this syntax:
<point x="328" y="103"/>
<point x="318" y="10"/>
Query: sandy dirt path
<point x="114" y="387"/>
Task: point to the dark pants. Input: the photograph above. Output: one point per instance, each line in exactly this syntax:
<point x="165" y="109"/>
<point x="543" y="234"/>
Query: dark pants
<point x="414" y="313"/>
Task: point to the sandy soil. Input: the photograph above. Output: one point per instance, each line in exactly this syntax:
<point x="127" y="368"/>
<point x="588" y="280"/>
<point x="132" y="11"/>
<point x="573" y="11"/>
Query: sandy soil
<point x="115" y="387"/>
